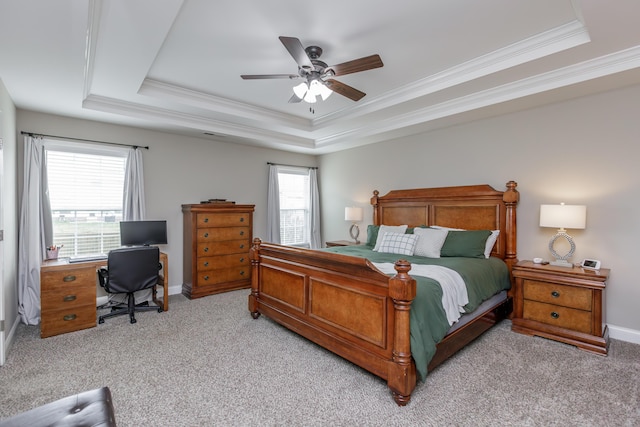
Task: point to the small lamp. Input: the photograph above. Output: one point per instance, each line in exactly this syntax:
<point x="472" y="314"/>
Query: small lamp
<point x="354" y="215"/>
<point x="563" y="216"/>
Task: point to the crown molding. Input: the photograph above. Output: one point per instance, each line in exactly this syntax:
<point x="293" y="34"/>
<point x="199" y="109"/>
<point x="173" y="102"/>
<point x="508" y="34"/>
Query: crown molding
<point x="538" y="46"/>
<point x="588" y="70"/>
<point x="222" y="105"/>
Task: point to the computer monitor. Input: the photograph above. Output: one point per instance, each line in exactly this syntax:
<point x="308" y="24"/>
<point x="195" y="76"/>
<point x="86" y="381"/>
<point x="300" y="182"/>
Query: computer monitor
<point x="143" y="233"/>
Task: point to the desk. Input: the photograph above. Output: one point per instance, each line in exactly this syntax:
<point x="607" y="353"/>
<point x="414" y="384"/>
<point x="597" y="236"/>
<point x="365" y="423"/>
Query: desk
<point x="68" y="294"/>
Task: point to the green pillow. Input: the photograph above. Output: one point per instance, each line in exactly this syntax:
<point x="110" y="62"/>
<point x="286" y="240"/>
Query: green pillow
<point x="372" y="234"/>
<point x="468" y="244"/>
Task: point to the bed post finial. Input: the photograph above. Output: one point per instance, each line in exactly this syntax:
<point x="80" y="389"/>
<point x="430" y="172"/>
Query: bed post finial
<point x="374" y="203"/>
<point x="402" y="372"/>
<point x="254" y="255"/>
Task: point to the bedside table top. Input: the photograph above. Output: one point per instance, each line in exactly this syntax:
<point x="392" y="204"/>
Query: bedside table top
<point x="342" y="243"/>
<point x="526" y="265"/>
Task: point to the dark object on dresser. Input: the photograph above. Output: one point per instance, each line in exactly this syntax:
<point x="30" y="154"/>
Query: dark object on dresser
<point x="89" y="408"/>
<point x="130" y="270"/>
<point x="217" y="239"/>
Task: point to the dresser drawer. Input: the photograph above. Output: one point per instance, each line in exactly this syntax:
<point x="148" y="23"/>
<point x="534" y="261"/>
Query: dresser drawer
<point x="220" y="234"/>
<point x="51" y="280"/>
<point x="223" y="275"/>
<point x="67" y="320"/>
<point x="561" y="295"/>
<point x="67" y="297"/>
<point x="563" y="317"/>
<point x="222" y="220"/>
<point x="223" y="261"/>
<point x="223" y="248"/>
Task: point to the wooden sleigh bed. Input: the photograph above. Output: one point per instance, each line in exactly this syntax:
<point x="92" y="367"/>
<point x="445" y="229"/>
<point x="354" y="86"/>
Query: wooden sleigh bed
<point x="346" y="305"/>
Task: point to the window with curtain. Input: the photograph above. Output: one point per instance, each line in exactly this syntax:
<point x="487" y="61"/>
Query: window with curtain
<point x="295" y="202"/>
<point x="86" y="185"/>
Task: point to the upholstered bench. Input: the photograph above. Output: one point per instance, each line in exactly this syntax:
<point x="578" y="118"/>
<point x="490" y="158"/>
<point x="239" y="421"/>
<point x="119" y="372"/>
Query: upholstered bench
<point x="90" y="408"/>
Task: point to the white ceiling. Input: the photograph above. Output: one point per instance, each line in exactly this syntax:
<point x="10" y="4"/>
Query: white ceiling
<point x="175" y="65"/>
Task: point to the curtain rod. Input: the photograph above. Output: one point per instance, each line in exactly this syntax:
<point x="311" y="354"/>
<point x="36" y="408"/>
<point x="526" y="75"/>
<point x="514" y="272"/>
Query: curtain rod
<point x="293" y="166"/>
<point x="84" y="140"/>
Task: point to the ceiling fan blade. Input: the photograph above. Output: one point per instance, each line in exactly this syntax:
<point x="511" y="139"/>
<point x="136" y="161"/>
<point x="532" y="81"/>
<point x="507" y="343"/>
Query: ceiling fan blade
<point x="294" y="99"/>
<point x="357" y="65"/>
<point x="269" y="76"/>
<point x="344" y="90"/>
<point x="296" y="50"/>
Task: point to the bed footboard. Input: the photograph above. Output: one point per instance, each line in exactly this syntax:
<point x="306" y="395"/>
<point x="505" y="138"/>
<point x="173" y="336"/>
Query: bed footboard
<point x="319" y="295"/>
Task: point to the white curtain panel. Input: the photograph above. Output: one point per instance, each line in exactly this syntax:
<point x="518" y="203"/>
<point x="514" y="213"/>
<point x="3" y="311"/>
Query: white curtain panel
<point x="273" y="206"/>
<point x="315" y="239"/>
<point x="133" y="207"/>
<point x="32" y="241"/>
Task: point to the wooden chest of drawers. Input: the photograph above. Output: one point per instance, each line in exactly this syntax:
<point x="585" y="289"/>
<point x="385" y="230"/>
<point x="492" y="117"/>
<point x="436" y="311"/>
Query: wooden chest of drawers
<point x="67" y="297"/>
<point x="564" y="304"/>
<point x="217" y="239"/>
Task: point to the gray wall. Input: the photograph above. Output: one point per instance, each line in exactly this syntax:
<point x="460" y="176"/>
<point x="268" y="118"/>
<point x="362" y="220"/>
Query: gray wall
<point x="583" y="151"/>
<point x="179" y="170"/>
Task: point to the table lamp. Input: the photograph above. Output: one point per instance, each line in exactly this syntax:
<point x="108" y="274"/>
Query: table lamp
<point x="563" y="216"/>
<point x="354" y="215"/>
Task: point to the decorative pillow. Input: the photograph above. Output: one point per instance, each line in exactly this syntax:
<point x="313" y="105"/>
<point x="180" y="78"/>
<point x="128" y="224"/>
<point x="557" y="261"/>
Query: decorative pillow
<point x="430" y="241"/>
<point x="396" y="243"/>
<point x="372" y="234"/>
<point x="469" y="244"/>
<point x="491" y="240"/>
<point x="400" y="229"/>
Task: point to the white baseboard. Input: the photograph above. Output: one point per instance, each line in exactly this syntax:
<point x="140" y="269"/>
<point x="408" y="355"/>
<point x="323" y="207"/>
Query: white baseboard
<point x="624" y="334"/>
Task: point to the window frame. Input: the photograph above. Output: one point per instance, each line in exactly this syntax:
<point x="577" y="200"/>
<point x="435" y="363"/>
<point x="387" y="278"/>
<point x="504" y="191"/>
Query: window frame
<point x="86" y="148"/>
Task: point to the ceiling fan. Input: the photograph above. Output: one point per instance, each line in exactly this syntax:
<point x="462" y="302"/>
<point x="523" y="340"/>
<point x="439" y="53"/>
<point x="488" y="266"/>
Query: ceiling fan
<point x="317" y="74"/>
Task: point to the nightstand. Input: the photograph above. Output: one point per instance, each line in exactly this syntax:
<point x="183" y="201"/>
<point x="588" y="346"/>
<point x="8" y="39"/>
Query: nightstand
<point x="341" y="243"/>
<point x="562" y="304"/>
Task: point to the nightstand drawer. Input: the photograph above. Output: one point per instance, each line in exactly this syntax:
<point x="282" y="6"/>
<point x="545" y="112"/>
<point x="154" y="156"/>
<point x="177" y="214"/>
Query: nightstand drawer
<point x="560" y="295"/>
<point x="563" y="317"/>
<point x="68" y="320"/>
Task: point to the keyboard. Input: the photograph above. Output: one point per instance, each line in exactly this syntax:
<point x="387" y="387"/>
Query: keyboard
<point x="89" y="257"/>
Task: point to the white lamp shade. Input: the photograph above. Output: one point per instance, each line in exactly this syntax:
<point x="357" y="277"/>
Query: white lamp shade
<point x="563" y="216"/>
<point x="353" y="214"/>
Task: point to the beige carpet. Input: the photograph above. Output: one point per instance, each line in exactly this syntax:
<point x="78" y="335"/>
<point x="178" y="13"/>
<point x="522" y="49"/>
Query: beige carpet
<point x="206" y="362"/>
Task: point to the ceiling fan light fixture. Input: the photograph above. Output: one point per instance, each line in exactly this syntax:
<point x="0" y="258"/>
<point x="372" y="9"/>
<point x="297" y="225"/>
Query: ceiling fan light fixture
<point x="301" y="89"/>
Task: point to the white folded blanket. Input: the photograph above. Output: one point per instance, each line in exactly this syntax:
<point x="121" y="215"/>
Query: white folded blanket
<point x="454" y="291"/>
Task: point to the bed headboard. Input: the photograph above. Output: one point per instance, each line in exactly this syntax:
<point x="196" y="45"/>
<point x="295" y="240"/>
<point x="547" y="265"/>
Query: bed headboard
<point x="472" y="207"/>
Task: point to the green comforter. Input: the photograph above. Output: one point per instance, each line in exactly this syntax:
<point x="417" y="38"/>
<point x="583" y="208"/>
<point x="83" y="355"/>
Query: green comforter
<point x="483" y="278"/>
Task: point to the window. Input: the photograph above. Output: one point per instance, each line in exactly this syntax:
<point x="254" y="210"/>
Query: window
<point x="86" y="187"/>
<point x="295" y="202"/>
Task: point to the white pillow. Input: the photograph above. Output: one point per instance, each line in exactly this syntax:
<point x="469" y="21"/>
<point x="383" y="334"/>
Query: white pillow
<point x="430" y="241"/>
<point x="491" y="240"/>
<point x="400" y="229"/>
<point x="396" y="243"/>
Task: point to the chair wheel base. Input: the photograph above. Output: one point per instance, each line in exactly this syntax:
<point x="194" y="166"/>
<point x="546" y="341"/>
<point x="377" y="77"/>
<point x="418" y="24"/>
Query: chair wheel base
<point x="100" y="320"/>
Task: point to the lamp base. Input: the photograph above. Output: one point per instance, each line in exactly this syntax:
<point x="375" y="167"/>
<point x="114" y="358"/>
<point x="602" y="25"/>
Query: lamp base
<point x="561" y="263"/>
<point x="354" y="231"/>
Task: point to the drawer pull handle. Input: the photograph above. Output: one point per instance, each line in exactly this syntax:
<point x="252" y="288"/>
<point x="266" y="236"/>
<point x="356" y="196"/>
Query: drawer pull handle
<point x="242" y="233"/>
<point x="242" y="273"/>
<point x="206" y="263"/>
<point x="242" y="259"/>
<point x="555" y="315"/>
<point x="242" y="219"/>
<point x="69" y="317"/>
<point x="206" y="277"/>
<point x="206" y="234"/>
<point x="206" y="249"/>
<point x="555" y="294"/>
<point x="242" y="246"/>
<point x="206" y="220"/>
<point x="69" y="278"/>
<point x="68" y="298"/>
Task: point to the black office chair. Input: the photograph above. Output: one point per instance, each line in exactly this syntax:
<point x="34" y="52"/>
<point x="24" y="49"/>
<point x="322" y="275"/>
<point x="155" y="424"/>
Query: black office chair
<point x="130" y="270"/>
